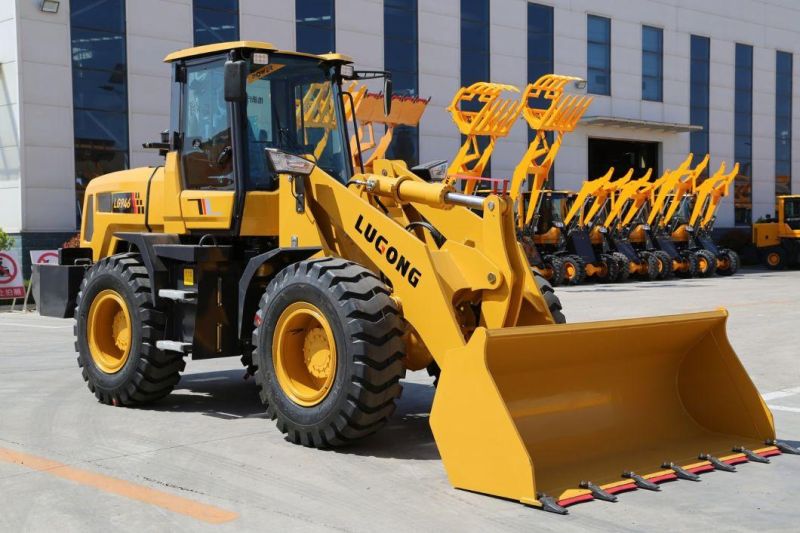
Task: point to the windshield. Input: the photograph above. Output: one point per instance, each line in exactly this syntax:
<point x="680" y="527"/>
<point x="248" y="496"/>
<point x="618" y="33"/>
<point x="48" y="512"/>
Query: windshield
<point x="292" y="106"/>
<point x="792" y="210"/>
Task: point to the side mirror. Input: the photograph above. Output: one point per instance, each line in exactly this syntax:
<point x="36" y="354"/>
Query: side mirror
<point x="235" y="81"/>
<point x="387" y="96"/>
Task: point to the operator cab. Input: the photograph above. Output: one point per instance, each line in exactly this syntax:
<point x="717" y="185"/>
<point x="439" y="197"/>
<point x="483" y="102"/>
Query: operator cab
<point x="286" y="101"/>
<point x="791" y="212"/>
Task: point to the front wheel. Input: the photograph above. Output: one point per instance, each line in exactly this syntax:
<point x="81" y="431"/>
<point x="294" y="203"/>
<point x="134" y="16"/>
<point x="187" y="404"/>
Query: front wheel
<point x="706" y="263"/>
<point x="328" y="352"/>
<point x="665" y="268"/>
<point x="775" y="258"/>
<point x="116" y="330"/>
<point x="729" y="262"/>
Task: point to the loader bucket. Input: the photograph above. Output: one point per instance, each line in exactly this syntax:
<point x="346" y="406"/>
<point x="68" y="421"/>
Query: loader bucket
<point x="529" y="413"/>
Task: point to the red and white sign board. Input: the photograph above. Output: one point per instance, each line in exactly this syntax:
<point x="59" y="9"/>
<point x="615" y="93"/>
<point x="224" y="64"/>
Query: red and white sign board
<point x="11" y="276"/>
<point x="48" y="257"/>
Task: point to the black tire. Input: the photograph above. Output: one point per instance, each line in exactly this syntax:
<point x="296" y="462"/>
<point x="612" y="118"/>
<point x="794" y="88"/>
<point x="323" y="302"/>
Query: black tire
<point x="556" y="267"/>
<point x="148" y="374"/>
<point x="624" y="266"/>
<point x="611" y="267"/>
<point x="733" y="261"/>
<point x="652" y="265"/>
<point x="689" y="260"/>
<point x="666" y="271"/>
<point x="579" y="267"/>
<point x="549" y="295"/>
<point x="367" y="331"/>
<point x="780" y="258"/>
<point x="710" y="260"/>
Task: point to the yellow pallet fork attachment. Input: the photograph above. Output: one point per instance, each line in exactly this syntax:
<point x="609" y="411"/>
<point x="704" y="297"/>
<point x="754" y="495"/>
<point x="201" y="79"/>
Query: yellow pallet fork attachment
<point x="709" y="194"/>
<point x="366" y="148"/>
<point x="562" y="114"/>
<point x="664" y="188"/>
<point x="481" y="111"/>
<point x="683" y="186"/>
<point x="580" y="204"/>
<point x="625" y="194"/>
<point x="605" y="195"/>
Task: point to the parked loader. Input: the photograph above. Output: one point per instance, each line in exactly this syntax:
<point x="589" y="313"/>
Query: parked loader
<point x="647" y="228"/>
<point x="550" y="111"/>
<point x="778" y="239"/>
<point x="331" y="283"/>
<point x="608" y="232"/>
<point x="692" y="224"/>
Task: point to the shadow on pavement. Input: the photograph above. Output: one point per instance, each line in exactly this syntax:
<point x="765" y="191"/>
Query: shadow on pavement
<point x="407" y="435"/>
<point x="226" y="395"/>
<point x="223" y="394"/>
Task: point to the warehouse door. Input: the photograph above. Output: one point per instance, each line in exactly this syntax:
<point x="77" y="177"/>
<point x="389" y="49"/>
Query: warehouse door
<point x="622" y="155"/>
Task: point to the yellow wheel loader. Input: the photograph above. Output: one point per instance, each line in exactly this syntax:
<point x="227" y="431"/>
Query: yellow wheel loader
<point x="550" y="111"/>
<point x="331" y="284"/>
<point x="647" y="229"/>
<point x="778" y="239"/>
<point x="603" y="217"/>
<point x="692" y="224"/>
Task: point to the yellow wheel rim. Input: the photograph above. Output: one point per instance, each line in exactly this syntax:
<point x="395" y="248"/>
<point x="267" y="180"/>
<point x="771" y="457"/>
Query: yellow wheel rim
<point x="570" y="271"/>
<point x="702" y="264"/>
<point x="109" y="331"/>
<point x="660" y="266"/>
<point x="304" y="354"/>
<point x="773" y="259"/>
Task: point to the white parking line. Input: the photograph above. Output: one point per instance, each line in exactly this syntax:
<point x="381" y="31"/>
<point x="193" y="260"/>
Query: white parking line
<point x="23" y="325"/>
<point x="785" y="393"/>
<point x="784" y="408"/>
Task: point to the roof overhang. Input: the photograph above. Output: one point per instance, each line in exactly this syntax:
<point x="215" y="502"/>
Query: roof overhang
<point x="650" y="125"/>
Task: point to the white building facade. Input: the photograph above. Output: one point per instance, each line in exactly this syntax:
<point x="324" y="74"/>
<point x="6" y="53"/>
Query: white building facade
<point x="83" y="87"/>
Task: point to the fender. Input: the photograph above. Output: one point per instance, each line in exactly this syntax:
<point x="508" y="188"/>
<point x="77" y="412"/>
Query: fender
<point x="277" y="259"/>
<point x="144" y="243"/>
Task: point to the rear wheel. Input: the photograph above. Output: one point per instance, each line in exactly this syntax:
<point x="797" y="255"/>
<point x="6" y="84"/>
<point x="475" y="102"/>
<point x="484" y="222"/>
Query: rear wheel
<point x="549" y="295"/>
<point x="730" y="262"/>
<point x="652" y="265"/>
<point x="609" y="269"/>
<point x="624" y="266"/>
<point x="665" y="269"/>
<point x="556" y="267"/>
<point x="688" y="263"/>
<point x="116" y="332"/>
<point x="574" y="270"/>
<point x="706" y="263"/>
<point x="775" y="258"/>
<point x="328" y="352"/>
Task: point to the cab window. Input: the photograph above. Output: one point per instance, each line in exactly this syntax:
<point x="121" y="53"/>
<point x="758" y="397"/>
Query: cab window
<point x="207" y="154"/>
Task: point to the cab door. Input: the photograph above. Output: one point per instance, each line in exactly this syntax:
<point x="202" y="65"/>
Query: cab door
<point x="207" y="198"/>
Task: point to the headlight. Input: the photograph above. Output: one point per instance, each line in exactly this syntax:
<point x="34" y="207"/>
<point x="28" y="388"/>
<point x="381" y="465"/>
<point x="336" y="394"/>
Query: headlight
<point x="284" y="163"/>
<point x="689" y="229"/>
<point x="646" y="227"/>
<point x="432" y="170"/>
<point x="558" y="224"/>
<point x="603" y="230"/>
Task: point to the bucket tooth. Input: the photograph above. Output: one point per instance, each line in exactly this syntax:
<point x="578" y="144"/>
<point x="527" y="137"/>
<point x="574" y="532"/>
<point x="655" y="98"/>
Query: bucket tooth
<point x="681" y="472"/>
<point x="716" y="463"/>
<point x="597" y="492"/>
<point x="751" y="455"/>
<point x="783" y="447"/>
<point x="550" y="505"/>
<point x="640" y="482"/>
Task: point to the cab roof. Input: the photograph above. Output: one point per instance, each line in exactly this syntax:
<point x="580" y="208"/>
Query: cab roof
<point x="208" y="49"/>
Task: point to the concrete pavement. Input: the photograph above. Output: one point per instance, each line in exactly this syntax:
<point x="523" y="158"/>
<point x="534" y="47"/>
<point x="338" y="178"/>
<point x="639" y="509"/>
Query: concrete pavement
<point x="210" y="445"/>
